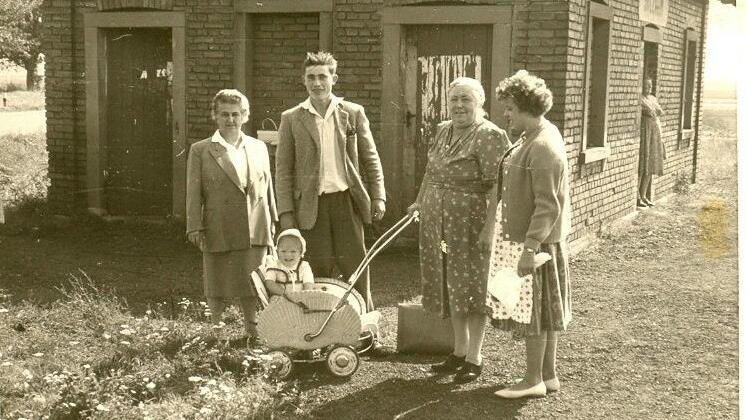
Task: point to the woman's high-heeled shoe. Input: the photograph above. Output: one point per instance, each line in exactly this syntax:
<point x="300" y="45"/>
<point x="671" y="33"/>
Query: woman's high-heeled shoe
<point x="467" y="373"/>
<point x="450" y="365"/>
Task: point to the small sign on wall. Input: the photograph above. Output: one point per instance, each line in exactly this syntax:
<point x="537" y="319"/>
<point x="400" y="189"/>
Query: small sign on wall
<point x="654" y="11"/>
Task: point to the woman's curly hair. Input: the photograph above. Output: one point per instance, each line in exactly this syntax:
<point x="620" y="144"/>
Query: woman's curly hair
<point x="529" y="93"/>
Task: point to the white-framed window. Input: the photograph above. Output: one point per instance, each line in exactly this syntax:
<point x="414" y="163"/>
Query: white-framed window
<point x="687" y="107"/>
<point x="596" y="84"/>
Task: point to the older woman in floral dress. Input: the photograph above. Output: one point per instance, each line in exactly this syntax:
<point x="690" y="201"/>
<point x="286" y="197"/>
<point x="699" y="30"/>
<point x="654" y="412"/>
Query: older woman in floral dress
<point x="462" y="167"/>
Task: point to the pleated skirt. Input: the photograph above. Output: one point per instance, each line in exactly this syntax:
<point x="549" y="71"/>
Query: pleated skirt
<point x="551" y="296"/>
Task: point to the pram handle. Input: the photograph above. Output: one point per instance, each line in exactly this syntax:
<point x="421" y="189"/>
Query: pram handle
<point x="380" y="244"/>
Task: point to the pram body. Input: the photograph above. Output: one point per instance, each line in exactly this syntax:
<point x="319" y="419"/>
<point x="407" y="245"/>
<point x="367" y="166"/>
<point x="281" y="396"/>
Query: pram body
<point x="329" y="323"/>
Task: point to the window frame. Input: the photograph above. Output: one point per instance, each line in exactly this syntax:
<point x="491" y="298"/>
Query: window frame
<point x="596" y="153"/>
<point x="686" y="133"/>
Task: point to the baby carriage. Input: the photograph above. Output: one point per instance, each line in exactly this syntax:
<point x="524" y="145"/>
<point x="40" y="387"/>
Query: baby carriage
<point x="330" y="323"/>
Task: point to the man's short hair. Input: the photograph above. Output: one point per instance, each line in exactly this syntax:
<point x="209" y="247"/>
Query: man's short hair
<point x="321" y="58"/>
<point x="230" y="96"/>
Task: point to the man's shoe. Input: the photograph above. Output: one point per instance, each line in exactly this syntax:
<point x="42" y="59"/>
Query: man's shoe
<point x="648" y="202"/>
<point x="467" y="373"/>
<point x="450" y="365"/>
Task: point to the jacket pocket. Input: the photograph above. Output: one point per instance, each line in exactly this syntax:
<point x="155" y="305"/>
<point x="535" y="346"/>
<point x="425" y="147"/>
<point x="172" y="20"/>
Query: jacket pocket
<point x="296" y="194"/>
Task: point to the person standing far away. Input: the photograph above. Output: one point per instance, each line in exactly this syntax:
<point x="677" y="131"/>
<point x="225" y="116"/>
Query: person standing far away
<point x="328" y="173"/>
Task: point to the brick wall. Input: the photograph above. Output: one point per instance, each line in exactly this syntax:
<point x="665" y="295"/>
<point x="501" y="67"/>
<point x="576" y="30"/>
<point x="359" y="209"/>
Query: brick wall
<point x="209" y="61"/>
<point x="357" y="47"/>
<point x="605" y="191"/>
<point x="280" y="43"/>
<point x="548" y="39"/>
<point x="62" y="35"/>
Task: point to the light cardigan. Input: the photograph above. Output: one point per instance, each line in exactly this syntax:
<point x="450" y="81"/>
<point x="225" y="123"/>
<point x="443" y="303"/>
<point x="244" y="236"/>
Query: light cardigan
<point x="533" y="186"/>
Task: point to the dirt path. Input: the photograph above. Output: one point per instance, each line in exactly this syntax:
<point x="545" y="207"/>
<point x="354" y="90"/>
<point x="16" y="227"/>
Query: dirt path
<point x="654" y="333"/>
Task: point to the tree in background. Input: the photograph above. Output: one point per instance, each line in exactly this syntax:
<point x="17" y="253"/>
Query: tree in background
<point x="20" y="43"/>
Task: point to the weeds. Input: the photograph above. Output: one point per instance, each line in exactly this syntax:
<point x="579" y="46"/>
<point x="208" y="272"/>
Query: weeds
<point x="87" y="356"/>
<point x="23" y="169"/>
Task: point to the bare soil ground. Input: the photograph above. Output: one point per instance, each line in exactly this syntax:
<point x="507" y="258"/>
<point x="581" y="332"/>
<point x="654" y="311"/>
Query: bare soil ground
<point x="654" y="333"/>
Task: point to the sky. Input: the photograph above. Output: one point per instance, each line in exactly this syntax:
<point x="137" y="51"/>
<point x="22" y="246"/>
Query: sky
<point x="726" y="31"/>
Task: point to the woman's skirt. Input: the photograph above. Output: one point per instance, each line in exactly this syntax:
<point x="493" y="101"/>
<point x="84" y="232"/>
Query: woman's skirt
<point x="551" y="297"/>
<point x="226" y="274"/>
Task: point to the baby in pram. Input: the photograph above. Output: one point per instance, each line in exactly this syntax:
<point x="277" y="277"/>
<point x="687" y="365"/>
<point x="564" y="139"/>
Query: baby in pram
<point x="288" y="272"/>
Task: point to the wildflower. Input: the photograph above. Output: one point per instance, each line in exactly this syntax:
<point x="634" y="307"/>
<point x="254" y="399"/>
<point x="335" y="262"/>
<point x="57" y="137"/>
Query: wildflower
<point x="444" y="247"/>
<point x="125" y="343"/>
<point x="205" y="411"/>
<point x="3" y="310"/>
<point x="204" y="390"/>
<point x="101" y="407"/>
<point x="195" y="379"/>
<point x="164" y="329"/>
<point x="168" y="375"/>
<point x="73" y="343"/>
<point x="5" y="364"/>
<point x="27" y="373"/>
<point x="39" y="354"/>
<point x="86" y="366"/>
<point x="212" y="382"/>
<point x="106" y="336"/>
<point x="150" y="385"/>
<point x="148" y="312"/>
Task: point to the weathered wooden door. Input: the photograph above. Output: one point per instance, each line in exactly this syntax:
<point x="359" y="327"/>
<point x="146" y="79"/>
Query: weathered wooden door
<point x="138" y="178"/>
<point x="435" y="56"/>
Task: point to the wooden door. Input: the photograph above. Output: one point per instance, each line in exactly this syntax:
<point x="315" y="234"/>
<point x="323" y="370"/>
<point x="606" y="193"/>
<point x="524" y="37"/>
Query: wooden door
<point x="435" y="55"/>
<point x="138" y="178"/>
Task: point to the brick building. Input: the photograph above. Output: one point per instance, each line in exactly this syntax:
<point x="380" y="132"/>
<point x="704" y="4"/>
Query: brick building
<point x="129" y="84"/>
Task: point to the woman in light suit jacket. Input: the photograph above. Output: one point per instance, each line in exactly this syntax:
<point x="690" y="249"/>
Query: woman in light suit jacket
<point x="230" y="207"/>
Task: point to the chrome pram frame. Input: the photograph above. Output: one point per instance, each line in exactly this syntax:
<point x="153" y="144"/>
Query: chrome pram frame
<point x="342" y="358"/>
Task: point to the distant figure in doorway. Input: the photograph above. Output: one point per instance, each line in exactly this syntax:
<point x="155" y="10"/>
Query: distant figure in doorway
<point x="230" y="208"/>
<point x="652" y="152"/>
<point x="454" y="243"/>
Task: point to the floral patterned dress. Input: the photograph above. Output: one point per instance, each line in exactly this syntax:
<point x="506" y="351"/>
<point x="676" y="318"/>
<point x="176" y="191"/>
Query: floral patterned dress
<point x="453" y="211"/>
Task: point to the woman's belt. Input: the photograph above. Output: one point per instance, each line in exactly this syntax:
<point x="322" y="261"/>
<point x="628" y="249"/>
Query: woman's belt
<point x="465" y="186"/>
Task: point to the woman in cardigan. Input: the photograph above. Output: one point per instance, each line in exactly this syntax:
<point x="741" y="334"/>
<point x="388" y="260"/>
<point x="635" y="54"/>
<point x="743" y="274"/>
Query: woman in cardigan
<point x="535" y="217"/>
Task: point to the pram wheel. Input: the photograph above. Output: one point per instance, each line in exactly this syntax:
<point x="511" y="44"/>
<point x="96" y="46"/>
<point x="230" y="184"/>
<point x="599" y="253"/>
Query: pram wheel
<point x="342" y="361"/>
<point x="280" y="365"/>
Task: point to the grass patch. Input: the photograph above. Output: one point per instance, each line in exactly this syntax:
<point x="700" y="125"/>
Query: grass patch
<point x="22" y="100"/>
<point x="23" y="171"/>
<point x="86" y="355"/>
<point x="12" y="77"/>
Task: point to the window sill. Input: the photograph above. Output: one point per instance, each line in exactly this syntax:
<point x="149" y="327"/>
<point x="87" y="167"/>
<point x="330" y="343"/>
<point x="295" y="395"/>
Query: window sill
<point x="594" y="154"/>
<point x="686" y="133"/>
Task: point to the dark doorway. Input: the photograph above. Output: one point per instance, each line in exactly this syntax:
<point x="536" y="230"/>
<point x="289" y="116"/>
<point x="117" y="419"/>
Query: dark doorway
<point x="138" y="177"/>
<point x="436" y="55"/>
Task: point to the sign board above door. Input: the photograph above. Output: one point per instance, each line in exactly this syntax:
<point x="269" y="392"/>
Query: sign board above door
<point x="654" y="11"/>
